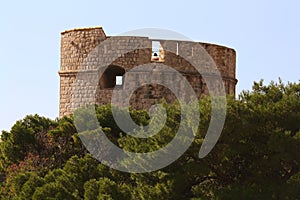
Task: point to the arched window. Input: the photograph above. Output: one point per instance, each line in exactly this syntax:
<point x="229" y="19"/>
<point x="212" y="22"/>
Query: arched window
<point x="112" y="76"/>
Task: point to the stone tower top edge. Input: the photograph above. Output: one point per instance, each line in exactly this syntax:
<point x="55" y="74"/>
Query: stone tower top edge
<point x="82" y="29"/>
<point x="217" y="45"/>
<point x="135" y="36"/>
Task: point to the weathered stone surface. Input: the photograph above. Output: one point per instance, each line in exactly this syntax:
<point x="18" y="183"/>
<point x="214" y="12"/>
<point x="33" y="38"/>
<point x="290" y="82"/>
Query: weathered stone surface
<point x="79" y="54"/>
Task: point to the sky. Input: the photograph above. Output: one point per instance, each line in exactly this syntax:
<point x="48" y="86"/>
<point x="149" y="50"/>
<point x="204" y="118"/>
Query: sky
<point x="264" y="33"/>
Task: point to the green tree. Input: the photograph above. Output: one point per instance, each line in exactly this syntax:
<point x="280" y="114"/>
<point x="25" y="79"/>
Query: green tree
<point x="256" y="157"/>
<point x="24" y="138"/>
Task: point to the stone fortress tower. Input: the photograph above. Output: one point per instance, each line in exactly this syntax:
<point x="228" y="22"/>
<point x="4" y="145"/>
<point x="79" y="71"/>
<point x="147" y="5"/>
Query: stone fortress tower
<point x="76" y="44"/>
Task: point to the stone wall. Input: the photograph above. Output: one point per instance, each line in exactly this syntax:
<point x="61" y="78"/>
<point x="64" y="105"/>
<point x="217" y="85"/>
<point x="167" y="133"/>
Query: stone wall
<point x="82" y="61"/>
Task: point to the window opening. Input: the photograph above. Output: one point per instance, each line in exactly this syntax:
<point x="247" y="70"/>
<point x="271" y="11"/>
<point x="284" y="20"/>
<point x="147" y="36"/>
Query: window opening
<point x="112" y="76"/>
<point x="119" y="80"/>
<point x="157" y="53"/>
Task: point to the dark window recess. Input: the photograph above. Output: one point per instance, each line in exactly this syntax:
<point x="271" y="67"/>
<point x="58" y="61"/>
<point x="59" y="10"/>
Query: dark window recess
<point x="112" y="76"/>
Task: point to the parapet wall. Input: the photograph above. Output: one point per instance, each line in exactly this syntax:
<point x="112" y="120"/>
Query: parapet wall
<point x="77" y="44"/>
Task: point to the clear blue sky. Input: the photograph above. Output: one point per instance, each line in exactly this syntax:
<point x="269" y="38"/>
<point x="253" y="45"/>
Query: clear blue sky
<point x="265" y="34"/>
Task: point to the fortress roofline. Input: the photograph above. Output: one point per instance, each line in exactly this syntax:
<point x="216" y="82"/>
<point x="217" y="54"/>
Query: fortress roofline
<point x="135" y="36"/>
<point x="82" y="29"/>
<point x="216" y="45"/>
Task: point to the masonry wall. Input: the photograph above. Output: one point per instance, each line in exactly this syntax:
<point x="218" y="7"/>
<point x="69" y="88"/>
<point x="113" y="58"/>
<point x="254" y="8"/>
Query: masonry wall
<point x="77" y="44"/>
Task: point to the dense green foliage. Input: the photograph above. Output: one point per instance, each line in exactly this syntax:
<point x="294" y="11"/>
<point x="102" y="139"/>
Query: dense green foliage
<point x="256" y="157"/>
